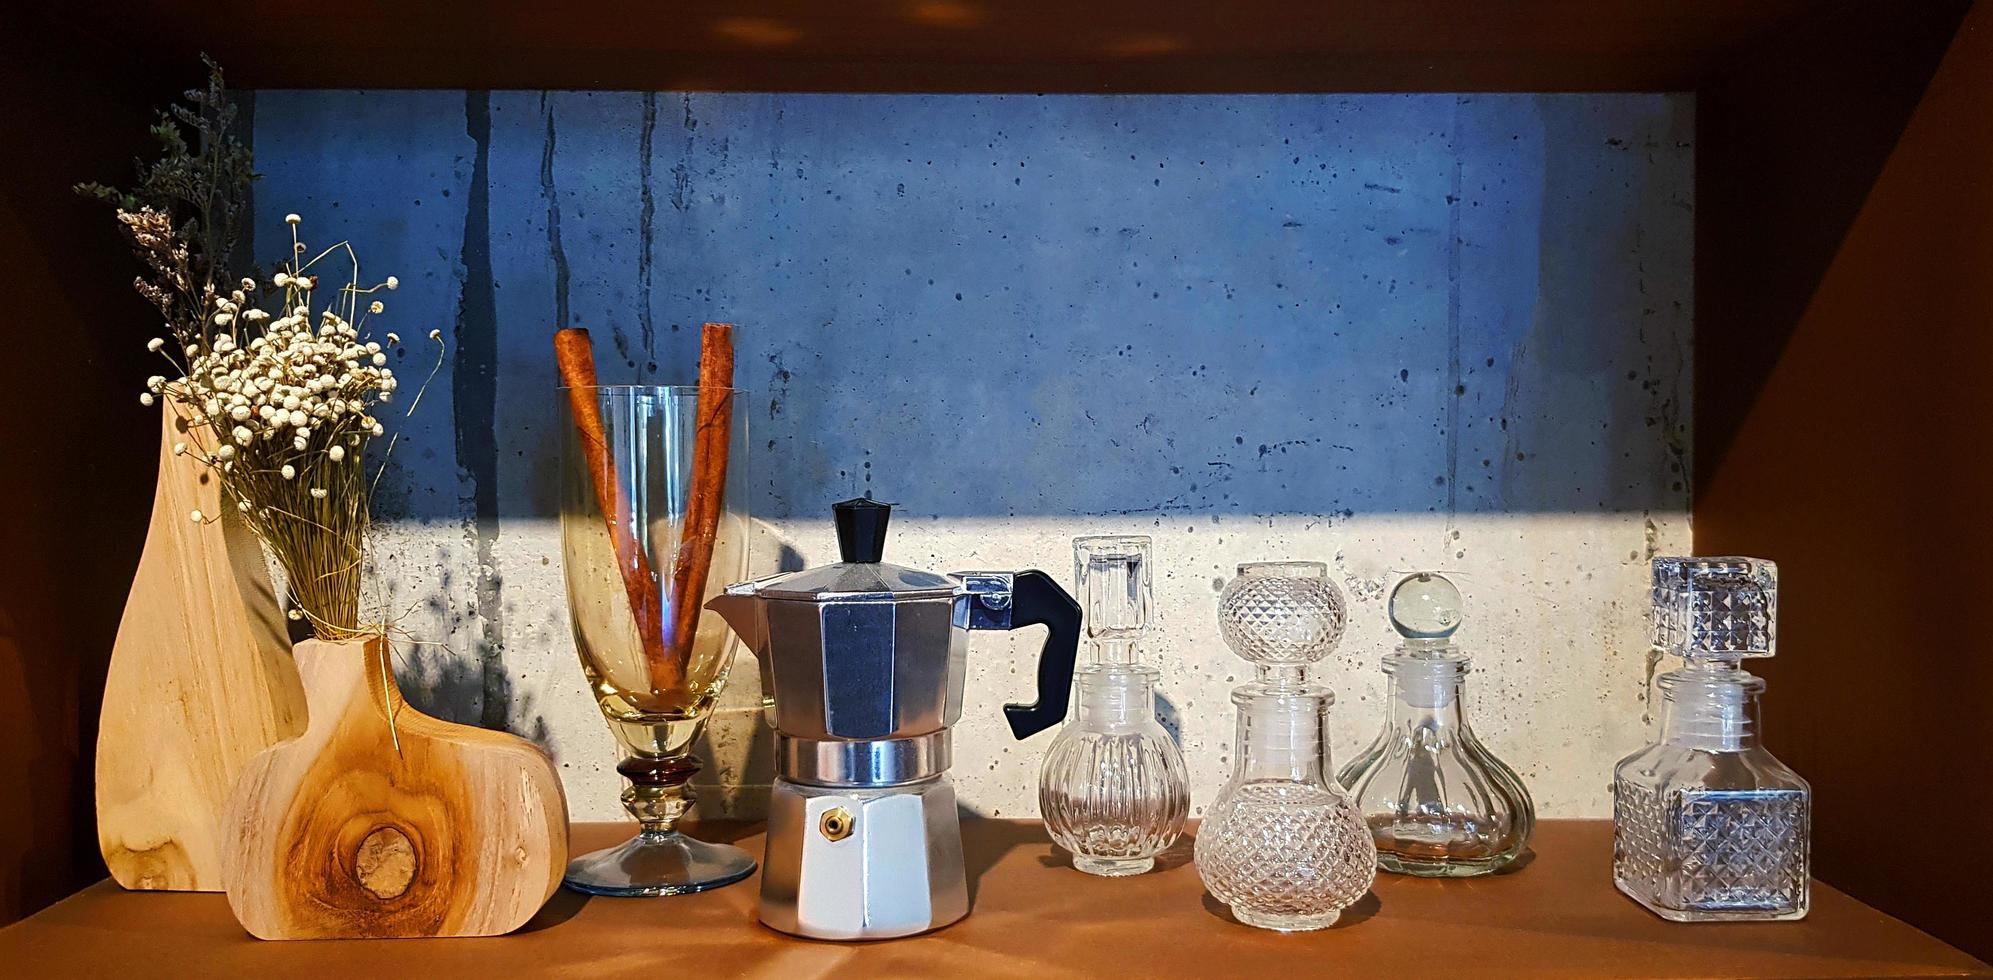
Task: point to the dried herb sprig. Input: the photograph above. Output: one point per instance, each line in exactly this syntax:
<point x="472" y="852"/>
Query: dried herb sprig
<point x="185" y="216"/>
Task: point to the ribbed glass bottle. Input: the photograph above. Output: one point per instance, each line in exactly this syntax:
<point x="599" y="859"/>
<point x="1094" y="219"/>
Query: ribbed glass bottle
<point x="1439" y="804"/>
<point x="1114" y="789"/>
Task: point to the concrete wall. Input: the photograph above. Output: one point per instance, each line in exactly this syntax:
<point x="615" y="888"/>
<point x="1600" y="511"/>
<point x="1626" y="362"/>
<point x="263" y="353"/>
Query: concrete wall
<point x="1389" y="332"/>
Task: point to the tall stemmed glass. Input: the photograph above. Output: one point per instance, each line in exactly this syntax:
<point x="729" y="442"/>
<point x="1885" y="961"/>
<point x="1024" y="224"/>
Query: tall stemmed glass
<point x="631" y="519"/>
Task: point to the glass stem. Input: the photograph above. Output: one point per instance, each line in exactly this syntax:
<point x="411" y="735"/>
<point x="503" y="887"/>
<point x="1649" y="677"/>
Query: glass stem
<point x="659" y="791"/>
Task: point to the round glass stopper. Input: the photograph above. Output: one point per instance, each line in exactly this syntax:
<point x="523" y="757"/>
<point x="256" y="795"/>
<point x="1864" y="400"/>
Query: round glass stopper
<point x="1425" y="606"/>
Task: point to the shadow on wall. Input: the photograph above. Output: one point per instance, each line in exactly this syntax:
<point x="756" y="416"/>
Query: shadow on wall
<point x="1064" y="305"/>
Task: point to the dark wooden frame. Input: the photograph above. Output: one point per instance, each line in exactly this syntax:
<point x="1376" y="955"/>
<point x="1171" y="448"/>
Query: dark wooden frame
<point x="1842" y="239"/>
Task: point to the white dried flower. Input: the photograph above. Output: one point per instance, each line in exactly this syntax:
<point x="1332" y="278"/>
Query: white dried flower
<point x="378" y="429"/>
<point x="289" y="471"/>
<point x="292" y="219"/>
<point x="393" y="338"/>
<point x="145" y="398"/>
<point x="337" y="453"/>
<point x="281" y="279"/>
<point x="300" y="444"/>
<point x="376" y="306"/>
<point x="179" y="449"/>
<point x="225" y="452"/>
<point x="299" y="247"/>
<point x="242" y="505"/>
<point x="240" y="412"/>
<point x="196" y="516"/>
<point x="155" y="343"/>
<point x="298" y="419"/>
<point x="318" y="493"/>
<point x="224" y="319"/>
<point x="243" y="435"/>
<point x="380" y="359"/>
<point x="436" y="334"/>
<point x="248" y="285"/>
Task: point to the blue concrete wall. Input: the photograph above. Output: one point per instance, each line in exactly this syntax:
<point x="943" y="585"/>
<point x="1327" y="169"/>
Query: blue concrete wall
<point x="1402" y="330"/>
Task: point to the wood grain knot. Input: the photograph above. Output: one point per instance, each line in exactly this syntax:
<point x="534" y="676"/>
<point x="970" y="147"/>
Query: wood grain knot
<point x="385" y="863"/>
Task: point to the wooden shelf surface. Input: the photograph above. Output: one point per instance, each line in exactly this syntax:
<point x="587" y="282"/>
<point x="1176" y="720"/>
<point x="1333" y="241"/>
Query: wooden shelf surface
<point x="1557" y="916"/>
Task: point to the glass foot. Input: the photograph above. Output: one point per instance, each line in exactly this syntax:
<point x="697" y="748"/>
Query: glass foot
<point x="1113" y="867"/>
<point x="658" y="863"/>
<point x="1285" y="923"/>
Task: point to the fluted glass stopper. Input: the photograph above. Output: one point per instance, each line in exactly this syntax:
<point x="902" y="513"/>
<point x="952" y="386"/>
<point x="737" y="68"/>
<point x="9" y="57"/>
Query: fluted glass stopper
<point x="1438" y="803"/>
<point x="1116" y="591"/>
<point x="1114" y="789"/>
<point x="1282" y="846"/>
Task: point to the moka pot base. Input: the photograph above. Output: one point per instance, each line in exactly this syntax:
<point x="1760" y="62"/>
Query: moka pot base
<point x="863" y="839"/>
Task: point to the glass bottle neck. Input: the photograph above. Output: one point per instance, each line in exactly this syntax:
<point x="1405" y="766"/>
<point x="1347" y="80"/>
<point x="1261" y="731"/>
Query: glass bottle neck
<point x="1280" y="736"/>
<point x="1116" y="698"/>
<point x="1113" y="650"/>
<point x="1427" y="684"/>
<point x="1710" y="708"/>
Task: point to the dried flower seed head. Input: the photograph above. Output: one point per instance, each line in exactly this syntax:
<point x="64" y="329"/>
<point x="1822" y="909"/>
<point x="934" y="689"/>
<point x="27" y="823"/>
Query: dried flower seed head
<point x="289" y="472"/>
<point x="179" y="449"/>
<point x="392" y="283"/>
<point x="337" y="453"/>
<point x="248" y="285"/>
<point x="195" y="516"/>
<point x="292" y="219"/>
<point x="155" y="343"/>
<point x="145" y="398"/>
<point x="318" y="493"/>
<point x="376" y="307"/>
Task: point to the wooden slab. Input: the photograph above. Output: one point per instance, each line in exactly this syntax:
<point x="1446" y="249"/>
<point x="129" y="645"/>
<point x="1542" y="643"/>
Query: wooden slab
<point x="359" y="829"/>
<point x="1036" y="917"/>
<point x="200" y="681"/>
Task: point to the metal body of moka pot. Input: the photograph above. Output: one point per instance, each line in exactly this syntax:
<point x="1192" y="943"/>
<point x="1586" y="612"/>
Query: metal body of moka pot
<point x="867" y="661"/>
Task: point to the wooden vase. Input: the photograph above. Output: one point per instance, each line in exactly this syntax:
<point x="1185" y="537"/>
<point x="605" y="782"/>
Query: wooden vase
<point x="200" y="681"/>
<point x="361" y="830"/>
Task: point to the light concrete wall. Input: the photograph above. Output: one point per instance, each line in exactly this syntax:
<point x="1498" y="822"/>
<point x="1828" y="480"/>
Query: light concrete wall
<point x="1386" y="331"/>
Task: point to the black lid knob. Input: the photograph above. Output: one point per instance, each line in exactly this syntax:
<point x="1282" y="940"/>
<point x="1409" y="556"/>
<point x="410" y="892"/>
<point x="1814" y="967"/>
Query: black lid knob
<point x="861" y="529"/>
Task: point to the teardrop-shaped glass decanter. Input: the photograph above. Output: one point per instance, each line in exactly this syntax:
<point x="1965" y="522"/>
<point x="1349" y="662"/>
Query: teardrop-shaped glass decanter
<point x="1114" y="789"/>
<point x="1439" y="804"/>
<point x="1283" y="846"/>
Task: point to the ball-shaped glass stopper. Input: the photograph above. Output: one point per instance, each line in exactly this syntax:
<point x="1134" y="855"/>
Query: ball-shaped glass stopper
<point x="1425" y="606"/>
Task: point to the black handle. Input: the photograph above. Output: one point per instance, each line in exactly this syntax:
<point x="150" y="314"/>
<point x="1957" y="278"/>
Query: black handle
<point x="1037" y="600"/>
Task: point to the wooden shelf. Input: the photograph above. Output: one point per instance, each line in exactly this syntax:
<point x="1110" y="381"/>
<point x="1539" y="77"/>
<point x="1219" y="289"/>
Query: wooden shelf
<point x="1558" y="916"/>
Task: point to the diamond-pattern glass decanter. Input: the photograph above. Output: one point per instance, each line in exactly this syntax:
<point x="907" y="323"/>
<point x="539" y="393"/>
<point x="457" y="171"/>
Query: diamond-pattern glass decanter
<point x="1282" y="845"/>
<point x="1707" y="825"/>
<point x="1114" y="789"/>
<point x="1439" y="804"/>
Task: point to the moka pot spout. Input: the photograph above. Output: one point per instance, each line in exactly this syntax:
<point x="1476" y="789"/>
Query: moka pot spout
<point x="742" y="607"/>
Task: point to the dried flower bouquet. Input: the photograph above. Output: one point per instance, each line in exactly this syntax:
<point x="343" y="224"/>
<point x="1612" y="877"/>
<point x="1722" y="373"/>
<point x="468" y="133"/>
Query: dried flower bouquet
<point x="281" y="403"/>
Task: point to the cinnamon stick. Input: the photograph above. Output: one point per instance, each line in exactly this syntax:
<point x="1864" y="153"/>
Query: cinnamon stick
<point x="713" y="428"/>
<point x="574" y="353"/>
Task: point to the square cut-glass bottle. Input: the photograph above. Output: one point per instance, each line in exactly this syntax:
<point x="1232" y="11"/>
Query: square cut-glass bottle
<point x="1708" y="826"/>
